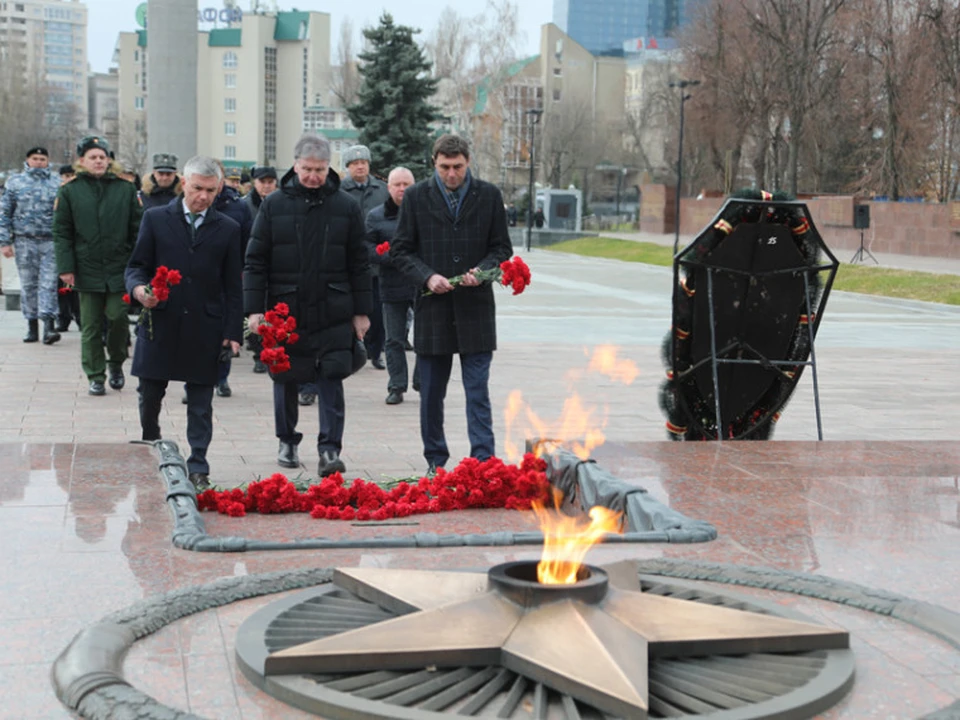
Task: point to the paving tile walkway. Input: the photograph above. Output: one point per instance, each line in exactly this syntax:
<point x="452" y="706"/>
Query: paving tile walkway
<point x="85" y="529"/>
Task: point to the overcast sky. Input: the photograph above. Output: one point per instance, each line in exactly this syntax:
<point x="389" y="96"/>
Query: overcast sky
<point x="109" y="17"/>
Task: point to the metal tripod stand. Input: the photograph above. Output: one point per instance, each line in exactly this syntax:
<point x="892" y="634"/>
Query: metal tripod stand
<point x="859" y="255"/>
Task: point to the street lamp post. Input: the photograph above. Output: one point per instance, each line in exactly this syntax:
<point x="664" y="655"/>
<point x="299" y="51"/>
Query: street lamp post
<point x="534" y="114"/>
<point x="684" y="96"/>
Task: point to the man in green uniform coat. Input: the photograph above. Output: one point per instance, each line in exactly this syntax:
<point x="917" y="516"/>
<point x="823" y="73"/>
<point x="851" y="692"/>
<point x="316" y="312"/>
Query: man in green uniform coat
<point x="95" y="224"/>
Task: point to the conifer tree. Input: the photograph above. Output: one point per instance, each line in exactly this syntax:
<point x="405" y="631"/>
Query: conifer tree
<point x="392" y="111"/>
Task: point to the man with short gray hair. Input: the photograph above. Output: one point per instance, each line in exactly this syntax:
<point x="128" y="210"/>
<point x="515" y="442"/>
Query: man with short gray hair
<point x="201" y="322"/>
<point x="371" y="193"/>
<point x="306" y="250"/>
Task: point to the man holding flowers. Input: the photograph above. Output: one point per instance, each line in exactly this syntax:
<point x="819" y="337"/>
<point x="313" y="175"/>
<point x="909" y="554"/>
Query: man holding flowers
<point x="306" y="251"/>
<point x="189" y="245"/>
<point x="453" y="224"/>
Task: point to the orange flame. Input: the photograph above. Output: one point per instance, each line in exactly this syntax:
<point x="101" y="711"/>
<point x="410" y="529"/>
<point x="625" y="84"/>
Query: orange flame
<point x="567" y="539"/>
<point x="579" y="428"/>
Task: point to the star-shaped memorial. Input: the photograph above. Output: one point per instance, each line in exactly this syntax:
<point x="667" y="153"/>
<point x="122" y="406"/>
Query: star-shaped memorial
<point x="591" y="640"/>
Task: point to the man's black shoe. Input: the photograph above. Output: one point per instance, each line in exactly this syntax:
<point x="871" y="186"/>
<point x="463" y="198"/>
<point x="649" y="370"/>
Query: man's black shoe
<point x="96" y="388"/>
<point x="378" y="363"/>
<point x="394" y="397"/>
<point x="330" y="463"/>
<point x="63" y="324"/>
<point x="223" y="389"/>
<point x="307" y="398"/>
<point x="287" y="455"/>
<point x="33" y="331"/>
<point x="117" y="379"/>
<point x="259" y="366"/>
<point x="432" y="469"/>
<point x="201" y="481"/>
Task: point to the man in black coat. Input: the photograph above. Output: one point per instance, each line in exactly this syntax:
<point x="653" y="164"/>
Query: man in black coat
<point x="397" y="293"/>
<point x="453" y="224"/>
<point x="370" y="193"/>
<point x="185" y="336"/>
<point x="306" y="250"/>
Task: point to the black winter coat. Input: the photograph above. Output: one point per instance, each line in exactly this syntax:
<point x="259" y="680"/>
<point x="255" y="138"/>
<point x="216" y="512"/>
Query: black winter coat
<point x="372" y="195"/>
<point x="203" y="310"/>
<point x="429" y="240"/>
<point x="152" y="195"/>
<point x="306" y="249"/>
<point x="230" y="203"/>
<point x="381" y="227"/>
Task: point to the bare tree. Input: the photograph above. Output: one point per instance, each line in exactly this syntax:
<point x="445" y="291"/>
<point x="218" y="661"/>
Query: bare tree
<point x="802" y="38"/>
<point x="132" y="152"/>
<point x="346" y="78"/>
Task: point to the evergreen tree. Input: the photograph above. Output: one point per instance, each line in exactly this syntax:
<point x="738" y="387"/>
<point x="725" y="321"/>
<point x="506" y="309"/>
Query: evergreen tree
<point x="392" y="110"/>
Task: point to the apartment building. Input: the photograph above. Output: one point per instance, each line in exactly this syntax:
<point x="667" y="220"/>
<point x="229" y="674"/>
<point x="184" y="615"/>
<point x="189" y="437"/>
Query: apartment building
<point x="261" y="81"/>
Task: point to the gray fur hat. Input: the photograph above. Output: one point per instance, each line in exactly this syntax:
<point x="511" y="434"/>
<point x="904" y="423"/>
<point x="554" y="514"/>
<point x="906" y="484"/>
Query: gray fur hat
<point x="165" y="161"/>
<point x="356" y="152"/>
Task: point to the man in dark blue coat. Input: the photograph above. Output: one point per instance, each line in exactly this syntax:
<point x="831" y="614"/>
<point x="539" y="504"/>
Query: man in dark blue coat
<point x="453" y="224"/>
<point x="186" y="335"/>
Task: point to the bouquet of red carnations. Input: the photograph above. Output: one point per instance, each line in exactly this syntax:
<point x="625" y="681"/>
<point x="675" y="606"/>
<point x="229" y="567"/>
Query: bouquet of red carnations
<point x="277" y="330"/>
<point x="163" y="279"/>
<point x="513" y="273"/>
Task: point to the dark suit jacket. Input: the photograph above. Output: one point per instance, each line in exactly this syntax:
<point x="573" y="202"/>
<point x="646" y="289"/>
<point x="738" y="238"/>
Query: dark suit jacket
<point x="203" y="310"/>
<point x="430" y="240"/>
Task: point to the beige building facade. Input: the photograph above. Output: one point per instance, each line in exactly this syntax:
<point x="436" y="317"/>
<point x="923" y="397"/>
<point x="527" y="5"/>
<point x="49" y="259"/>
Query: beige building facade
<point x="260" y="83"/>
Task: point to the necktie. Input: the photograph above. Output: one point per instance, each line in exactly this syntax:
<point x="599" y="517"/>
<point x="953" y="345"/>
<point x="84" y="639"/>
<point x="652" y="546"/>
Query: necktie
<point x="193" y="226"/>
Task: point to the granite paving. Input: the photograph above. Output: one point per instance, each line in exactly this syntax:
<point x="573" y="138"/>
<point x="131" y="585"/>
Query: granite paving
<point x="86" y="530"/>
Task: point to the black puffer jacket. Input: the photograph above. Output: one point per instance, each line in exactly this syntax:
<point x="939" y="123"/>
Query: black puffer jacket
<point x="381" y="227"/>
<point x="306" y="249"/>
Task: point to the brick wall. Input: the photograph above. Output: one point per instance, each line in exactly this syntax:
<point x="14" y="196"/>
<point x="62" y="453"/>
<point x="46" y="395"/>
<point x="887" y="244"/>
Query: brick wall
<point x="924" y="229"/>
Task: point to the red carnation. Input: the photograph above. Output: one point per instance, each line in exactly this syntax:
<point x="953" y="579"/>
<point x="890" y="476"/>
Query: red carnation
<point x="383" y="248"/>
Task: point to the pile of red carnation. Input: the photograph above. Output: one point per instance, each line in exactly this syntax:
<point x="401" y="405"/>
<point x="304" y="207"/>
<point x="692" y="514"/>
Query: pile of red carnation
<point x="277" y="330"/>
<point x="472" y="484"/>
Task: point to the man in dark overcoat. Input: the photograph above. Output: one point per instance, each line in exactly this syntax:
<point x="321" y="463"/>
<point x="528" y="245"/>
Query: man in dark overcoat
<point x="306" y="250"/>
<point x="453" y="224"/>
<point x="184" y="337"/>
<point x="397" y="293"/>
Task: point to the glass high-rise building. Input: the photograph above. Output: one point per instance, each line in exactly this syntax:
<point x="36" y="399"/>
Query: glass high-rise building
<point x="602" y="26"/>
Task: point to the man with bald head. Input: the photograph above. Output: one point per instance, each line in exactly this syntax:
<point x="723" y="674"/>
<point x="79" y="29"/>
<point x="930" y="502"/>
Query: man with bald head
<point x="396" y="291"/>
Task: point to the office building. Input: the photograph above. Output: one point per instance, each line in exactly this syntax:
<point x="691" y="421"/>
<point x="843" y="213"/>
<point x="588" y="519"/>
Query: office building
<point x="48" y="38"/>
<point x="103" y="101"/>
<point x="602" y="26"/>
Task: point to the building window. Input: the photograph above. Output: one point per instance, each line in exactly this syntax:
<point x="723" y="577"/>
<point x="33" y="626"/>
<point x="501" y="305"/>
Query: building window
<point x="138" y="103"/>
<point x="230" y="80"/>
<point x="230" y="128"/>
<point x="229" y="59"/>
<point x="557" y="71"/>
<point x="556" y="96"/>
<point x="306" y="75"/>
<point x="229" y="105"/>
<point x="229" y="152"/>
<point x="136" y="56"/>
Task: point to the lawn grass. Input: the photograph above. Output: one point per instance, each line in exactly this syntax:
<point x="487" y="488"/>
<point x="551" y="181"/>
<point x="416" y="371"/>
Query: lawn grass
<point x="887" y="282"/>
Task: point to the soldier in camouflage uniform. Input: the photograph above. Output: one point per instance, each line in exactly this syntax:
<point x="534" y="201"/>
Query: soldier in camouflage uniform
<point x="26" y="232"/>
